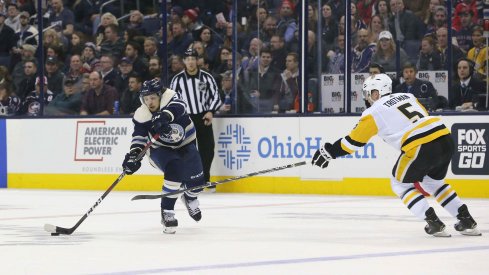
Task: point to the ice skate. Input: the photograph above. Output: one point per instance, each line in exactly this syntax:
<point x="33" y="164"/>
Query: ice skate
<point x="466" y="225"/>
<point x="168" y="221"/>
<point x="192" y="208"/>
<point x="434" y="227"/>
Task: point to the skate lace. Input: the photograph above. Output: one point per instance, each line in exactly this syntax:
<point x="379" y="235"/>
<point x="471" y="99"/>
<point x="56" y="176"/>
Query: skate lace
<point x="168" y="216"/>
<point x="193" y="206"/>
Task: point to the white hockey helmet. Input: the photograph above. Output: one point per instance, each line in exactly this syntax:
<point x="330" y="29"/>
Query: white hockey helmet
<point x="379" y="82"/>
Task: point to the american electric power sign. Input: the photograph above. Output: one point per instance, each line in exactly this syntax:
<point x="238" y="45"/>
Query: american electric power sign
<point x="470" y="157"/>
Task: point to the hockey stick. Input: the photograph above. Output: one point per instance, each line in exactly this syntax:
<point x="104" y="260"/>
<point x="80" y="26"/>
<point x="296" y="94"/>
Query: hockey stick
<point x="56" y="230"/>
<point x="211" y="184"/>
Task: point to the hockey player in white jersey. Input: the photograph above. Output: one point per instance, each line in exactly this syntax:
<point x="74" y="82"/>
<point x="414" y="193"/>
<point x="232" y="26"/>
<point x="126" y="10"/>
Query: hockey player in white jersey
<point x="426" y="151"/>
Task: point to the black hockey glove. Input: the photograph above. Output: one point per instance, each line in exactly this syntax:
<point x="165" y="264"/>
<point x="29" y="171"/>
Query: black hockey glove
<point x="130" y="164"/>
<point x="323" y="156"/>
<point x="161" y="122"/>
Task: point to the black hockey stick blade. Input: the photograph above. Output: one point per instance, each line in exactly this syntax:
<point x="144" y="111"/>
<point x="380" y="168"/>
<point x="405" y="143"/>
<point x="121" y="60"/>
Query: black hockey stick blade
<point x="210" y="184"/>
<point x="56" y="230"/>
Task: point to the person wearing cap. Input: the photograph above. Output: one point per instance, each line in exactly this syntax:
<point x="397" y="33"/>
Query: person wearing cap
<point x="66" y="103"/>
<point x="31" y="106"/>
<point x="7" y="38"/>
<point x="89" y="56"/>
<point x="199" y="89"/>
<point x="26" y="33"/>
<point x="54" y="75"/>
<point x="464" y="33"/>
<point x="121" y="79"/>
<point x="385" y="52"/>
<point x="286" y="25"/>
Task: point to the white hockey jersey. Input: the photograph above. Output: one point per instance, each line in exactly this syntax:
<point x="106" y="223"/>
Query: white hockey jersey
<point x="399" y="119"/>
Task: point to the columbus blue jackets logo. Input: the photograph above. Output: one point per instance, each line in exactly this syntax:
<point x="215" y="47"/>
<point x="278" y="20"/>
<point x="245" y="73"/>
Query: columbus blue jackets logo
<point x="234" y="146"/>
<point x="176" y="134"/>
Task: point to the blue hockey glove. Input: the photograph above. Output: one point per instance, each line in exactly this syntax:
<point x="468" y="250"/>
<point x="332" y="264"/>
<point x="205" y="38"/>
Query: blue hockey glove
<point x="323" y="156"/>
<point x="130" y="164"/>
<point x="161" y="122"/>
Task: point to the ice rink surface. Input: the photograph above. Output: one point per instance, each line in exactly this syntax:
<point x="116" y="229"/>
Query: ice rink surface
<point x="238" y="234"/>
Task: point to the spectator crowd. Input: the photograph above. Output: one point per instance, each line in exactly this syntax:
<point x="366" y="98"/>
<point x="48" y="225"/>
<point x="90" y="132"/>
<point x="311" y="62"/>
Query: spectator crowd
<point x="95" y="60"/>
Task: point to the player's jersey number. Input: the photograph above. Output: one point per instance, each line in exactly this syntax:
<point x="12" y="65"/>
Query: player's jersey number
<point x="408" y="110"/>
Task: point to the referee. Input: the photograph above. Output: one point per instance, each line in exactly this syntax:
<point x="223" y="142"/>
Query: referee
<point x="200" y="91"/>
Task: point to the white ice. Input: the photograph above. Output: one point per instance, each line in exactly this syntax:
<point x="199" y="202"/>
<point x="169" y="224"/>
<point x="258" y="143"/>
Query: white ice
<point x="238" y="234"/>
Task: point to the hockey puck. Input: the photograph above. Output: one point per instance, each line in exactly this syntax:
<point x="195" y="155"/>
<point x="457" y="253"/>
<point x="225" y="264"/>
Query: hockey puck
<point x="54" y="234"/>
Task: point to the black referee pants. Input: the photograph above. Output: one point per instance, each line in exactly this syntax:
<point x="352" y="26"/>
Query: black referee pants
<point x="205" y="143"/>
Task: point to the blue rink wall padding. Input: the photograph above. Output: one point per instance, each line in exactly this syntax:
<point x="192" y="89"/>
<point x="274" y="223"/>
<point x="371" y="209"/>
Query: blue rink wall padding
<point x="3" y="153"/>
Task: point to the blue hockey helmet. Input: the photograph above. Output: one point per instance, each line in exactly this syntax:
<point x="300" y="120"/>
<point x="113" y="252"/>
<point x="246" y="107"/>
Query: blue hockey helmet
<point x="150" y="87"/>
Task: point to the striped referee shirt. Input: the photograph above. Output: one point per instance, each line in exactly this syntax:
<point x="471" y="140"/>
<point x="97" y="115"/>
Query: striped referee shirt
<point x="199" y="91"/>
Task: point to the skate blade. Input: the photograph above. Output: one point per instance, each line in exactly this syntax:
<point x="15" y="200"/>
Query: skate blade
<point x="471" y="232"/>
<point x="169" y="230"/>
<point x="442" y="234"/>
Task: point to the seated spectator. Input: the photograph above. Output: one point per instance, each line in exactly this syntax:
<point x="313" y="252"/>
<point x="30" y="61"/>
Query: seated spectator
<point x="221" y="63"/>
<point x="429" y="57"/>
<point x="112" y="43"/>
<point x="181" y="39"/>
<point x="54" y="75"/>
<point x="108" y="72"/>
<point x="130" y="97"/>
<point x="136" y="19"/>
<point x="105" y="20"/>
<point x="263" y="84"/>
<point x="289" y="85"/>
<point x="150" y="47"/>
<point x="7" y="36"/>
<point x="375" y="27"/>
<point x="77" y="43"/>
<point x="154" y="67"/>
<point x="121" y="80"/>
<point x="31" y="106"/>
<point x="9" y="103"/>
<point x="329" y="26"/>
<point x="210" y="42"/>
<point x="133" y="53"/>
<point x="362" y="53"/>
<point x="26" y="33"/>
<point x="226" y="93"/>
<point x="286" y="24"/>
<point x="478" y="53"/>
<point x="464" y="33"/>
<point x="176" y="66"/>
<point x="419" y="88"/>
<point x="13" y="17"/>
<point x="26" y="86"/>
<point x="99" y="99"/>
<point x="66" y="103"/>
<point x="279" y="53"/>
<point x="385" y="53"/>
<point x="76" y="70"/>
<point x="27" y="54"/>
<point x="442" y="42"/>
<point x="89" y="57"/>
<point x="336" y="56"/>
<point x="85" y="11"/>
<point x="62" y="17"/>
<point x="464" y="94"/>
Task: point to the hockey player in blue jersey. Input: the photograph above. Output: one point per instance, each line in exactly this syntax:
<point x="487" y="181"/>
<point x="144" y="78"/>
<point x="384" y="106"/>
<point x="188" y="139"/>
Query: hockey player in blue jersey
<point x="163" y="112"/>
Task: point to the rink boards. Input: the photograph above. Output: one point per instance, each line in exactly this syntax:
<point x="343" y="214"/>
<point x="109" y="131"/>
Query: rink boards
<point x="87" y="154"/>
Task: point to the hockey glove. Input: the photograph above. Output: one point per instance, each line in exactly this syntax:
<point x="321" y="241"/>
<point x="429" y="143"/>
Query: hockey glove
<point x="131" y="164"/>
<point x="323" y="156"/>
<point x="161" y="122"/>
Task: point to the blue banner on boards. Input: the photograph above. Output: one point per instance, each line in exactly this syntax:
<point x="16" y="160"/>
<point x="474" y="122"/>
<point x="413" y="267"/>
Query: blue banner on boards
<point x="3" y="153"/>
